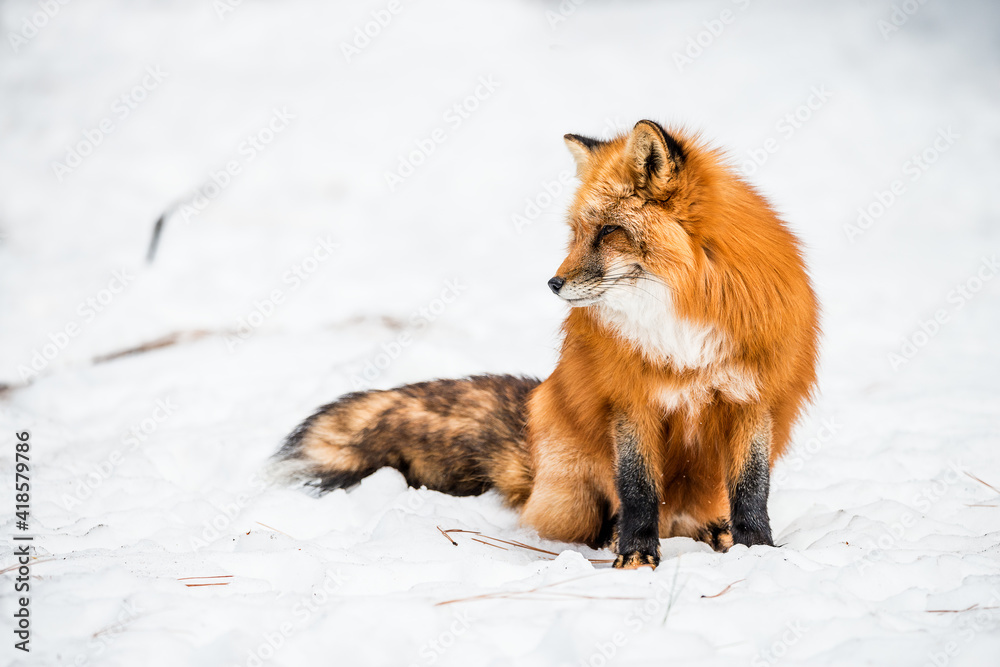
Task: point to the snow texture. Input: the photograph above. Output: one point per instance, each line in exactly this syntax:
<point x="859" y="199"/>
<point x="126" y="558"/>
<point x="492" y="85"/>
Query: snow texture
<point x="294" y="270"/>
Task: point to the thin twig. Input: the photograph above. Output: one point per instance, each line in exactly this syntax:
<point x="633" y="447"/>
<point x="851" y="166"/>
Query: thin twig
<point x="673" y="591"/>
<point x="986" y="484"/>
<point x="584" y="596"/>
<point x="155" y="241"/>
<point x="218" y="576"/>
<point x="447" y="536"/>
<point x="159" y="343"/>
<point x="29" y="563"/>
<point x="723" y="591"/>
<point x="512" y="594"/>
<point x="953" y="611"/>
<point x="489" y="544"/>
<point x="959" y="611"/>
<point x="526" y="546"/>
<point x="545" y="597"/>
<point x="224" y="583"/>
<point x="114" y="627"/>
<point x="513" y="543"/>
<point x="274" y="529"/>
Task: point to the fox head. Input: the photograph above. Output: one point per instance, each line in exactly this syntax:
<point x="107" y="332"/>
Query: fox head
<point x="628" y="217"/>
<point x="674" y="253"/>
<point x="644" y="247"/>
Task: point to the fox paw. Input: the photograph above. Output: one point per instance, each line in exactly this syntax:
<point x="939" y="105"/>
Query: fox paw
<point x="751" y="537"/>
<point x="635" y="560"/>
<point x="717" y="535"/>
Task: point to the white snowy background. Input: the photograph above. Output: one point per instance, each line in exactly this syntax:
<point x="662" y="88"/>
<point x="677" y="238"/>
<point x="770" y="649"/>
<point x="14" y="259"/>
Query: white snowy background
<point x="145" y="469"/>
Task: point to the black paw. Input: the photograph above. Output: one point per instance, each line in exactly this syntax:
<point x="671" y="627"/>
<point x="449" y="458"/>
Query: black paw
<point x="752" y="536"/>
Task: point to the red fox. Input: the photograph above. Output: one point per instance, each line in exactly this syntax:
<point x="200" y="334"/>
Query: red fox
<point x="689" y="352"/>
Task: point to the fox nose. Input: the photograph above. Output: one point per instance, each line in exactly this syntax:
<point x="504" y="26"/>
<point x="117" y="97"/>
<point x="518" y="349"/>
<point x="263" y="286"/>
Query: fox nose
<point x="555" y="284"/>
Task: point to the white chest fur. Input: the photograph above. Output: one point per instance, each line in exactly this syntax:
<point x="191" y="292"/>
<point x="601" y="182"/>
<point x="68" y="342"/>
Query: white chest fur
<point x="643" y="314"/>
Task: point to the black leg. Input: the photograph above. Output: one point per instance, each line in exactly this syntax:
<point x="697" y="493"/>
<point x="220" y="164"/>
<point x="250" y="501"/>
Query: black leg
<point x="638" y="528"/>
<point x="748" y="495"/>
<point x="606" y="534"/>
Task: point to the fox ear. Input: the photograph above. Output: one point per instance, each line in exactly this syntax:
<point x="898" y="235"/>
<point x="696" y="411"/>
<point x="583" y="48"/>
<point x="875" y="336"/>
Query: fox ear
<point x="654" y="155"/>
<point x="582" y="149"/>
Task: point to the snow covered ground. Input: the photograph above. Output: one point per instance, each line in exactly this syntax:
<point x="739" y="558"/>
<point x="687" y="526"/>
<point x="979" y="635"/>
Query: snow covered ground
<point x="366" y="210"/>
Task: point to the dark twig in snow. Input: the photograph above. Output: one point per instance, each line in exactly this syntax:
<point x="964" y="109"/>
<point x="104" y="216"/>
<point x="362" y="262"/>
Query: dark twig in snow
<point x="512" y="543"/>
<point x="154" y="242"/>
<point x="165" y="341"/>
<point x="971" y="607"/>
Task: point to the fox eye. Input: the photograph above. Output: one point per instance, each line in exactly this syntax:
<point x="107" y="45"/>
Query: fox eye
<point x="605" y="230"/>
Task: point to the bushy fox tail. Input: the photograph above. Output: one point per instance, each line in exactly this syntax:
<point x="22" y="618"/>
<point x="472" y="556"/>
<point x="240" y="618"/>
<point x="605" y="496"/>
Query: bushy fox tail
<point x="460" y="437"/>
